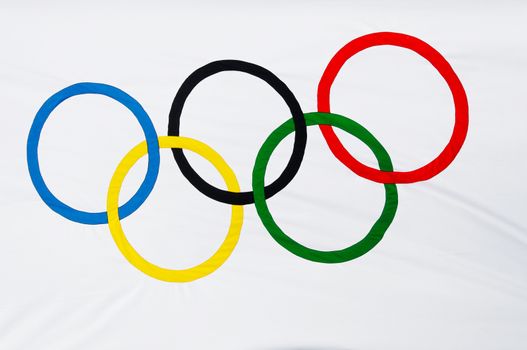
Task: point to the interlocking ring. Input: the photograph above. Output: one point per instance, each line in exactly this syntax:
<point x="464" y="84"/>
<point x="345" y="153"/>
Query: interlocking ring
<point x="126" y="248"/>
<point x="299" y="145"/>
<point x="129" y="102"/>
<point x="378" y="229"/>
<point x="443" y="67"/>
<point x="297" y="123"/>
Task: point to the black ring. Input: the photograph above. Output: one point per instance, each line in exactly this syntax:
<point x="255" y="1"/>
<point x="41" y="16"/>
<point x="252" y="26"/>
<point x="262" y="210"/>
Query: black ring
<point x="238" y="198"/>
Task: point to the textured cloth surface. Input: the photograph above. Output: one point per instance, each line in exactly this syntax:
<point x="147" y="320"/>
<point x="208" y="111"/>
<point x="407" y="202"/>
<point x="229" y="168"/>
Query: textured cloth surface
<point x="451" y="271"/>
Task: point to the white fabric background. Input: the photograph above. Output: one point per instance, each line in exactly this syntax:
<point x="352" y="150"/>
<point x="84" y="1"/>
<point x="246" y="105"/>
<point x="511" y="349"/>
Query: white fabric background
<point x="450" y="272"/>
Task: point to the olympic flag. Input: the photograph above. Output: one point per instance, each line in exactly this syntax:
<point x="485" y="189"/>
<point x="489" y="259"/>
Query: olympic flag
<point x="348" y="163"/>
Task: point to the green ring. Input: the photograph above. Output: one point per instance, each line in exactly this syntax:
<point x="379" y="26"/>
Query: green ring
<point x="378" y="229"/>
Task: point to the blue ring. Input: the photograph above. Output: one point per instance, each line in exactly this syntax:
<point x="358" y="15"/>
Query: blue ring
<point x="129" y="102"/>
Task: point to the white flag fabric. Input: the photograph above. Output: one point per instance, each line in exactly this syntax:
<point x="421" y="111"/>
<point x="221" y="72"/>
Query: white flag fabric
<point x="333" y="254"/>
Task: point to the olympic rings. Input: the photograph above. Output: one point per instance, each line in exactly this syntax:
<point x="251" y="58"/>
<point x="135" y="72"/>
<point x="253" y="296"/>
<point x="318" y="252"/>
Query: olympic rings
<point x="126" y="248"/>
<point x="144" y="120"/>
<point x="297" y="123"/>
<point x="378" y="229"/>
<point x="298" y="116"/>
<point x="443" y="67"/>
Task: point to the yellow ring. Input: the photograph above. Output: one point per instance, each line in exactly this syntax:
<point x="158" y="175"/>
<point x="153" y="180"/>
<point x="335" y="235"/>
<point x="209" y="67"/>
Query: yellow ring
<point x="114" y="223"/>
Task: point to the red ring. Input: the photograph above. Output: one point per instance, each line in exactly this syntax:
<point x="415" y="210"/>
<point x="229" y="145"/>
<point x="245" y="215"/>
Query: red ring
<point x="443" y="67"/>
